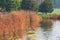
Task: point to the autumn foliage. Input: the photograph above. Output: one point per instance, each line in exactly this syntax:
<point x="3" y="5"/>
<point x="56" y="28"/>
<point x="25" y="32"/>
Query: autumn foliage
<point x="15" y="23"/>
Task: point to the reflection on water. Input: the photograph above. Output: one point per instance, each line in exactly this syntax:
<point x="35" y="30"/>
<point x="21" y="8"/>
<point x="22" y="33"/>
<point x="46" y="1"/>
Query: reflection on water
<point x="46" y="24"/>
<point x="49" y="30"/>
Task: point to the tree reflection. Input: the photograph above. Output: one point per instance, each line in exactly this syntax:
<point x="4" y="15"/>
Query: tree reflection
<point x="46" y="24"/>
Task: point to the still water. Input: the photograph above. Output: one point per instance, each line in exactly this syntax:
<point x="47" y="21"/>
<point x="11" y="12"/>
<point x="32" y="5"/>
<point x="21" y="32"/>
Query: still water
<point x="49" y="31"/>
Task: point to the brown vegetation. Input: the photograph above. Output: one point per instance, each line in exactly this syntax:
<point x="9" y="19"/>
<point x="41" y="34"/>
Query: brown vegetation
<point x="52" y="16"/>
<point x="16" y="23"/>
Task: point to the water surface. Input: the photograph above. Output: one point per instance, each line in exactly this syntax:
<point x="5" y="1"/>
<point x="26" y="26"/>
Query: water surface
<point x="49" y="31"/>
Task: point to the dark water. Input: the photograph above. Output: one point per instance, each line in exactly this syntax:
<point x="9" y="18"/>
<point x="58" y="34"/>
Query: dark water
<point x="49" y="30"/>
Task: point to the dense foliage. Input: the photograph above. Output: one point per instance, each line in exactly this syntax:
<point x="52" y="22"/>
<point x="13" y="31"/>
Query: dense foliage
<point x="10" y="4"/>
<point x="2" y="3"/>
<point x="46" y="7"/>
<point x="17" y="4"/>
<point x="29" y="5"/>
<point x="13" y="5"/>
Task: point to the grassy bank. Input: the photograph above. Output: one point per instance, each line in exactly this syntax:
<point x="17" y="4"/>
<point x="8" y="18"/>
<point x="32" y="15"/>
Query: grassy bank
<point x="54" y="15"/>
<point x="56" y="11"/>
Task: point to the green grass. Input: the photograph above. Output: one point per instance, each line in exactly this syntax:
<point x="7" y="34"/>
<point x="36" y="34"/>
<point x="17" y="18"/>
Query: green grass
<point x="56" y="11"/>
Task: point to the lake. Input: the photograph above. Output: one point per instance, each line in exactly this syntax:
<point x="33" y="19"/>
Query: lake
<point x="48" y="30"/>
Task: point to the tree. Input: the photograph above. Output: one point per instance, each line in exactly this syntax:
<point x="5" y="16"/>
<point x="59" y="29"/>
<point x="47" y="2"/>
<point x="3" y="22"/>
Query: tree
<point x="9" y="5"/>
<point x="29" y="5"/>
<point x="46" y="7"/>
<point x="13" y="5"/>
<point x="2" y="5"/>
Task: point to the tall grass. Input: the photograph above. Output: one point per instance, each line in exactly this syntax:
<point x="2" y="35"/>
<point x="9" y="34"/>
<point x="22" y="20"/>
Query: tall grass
<point x="15" y="23"/>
